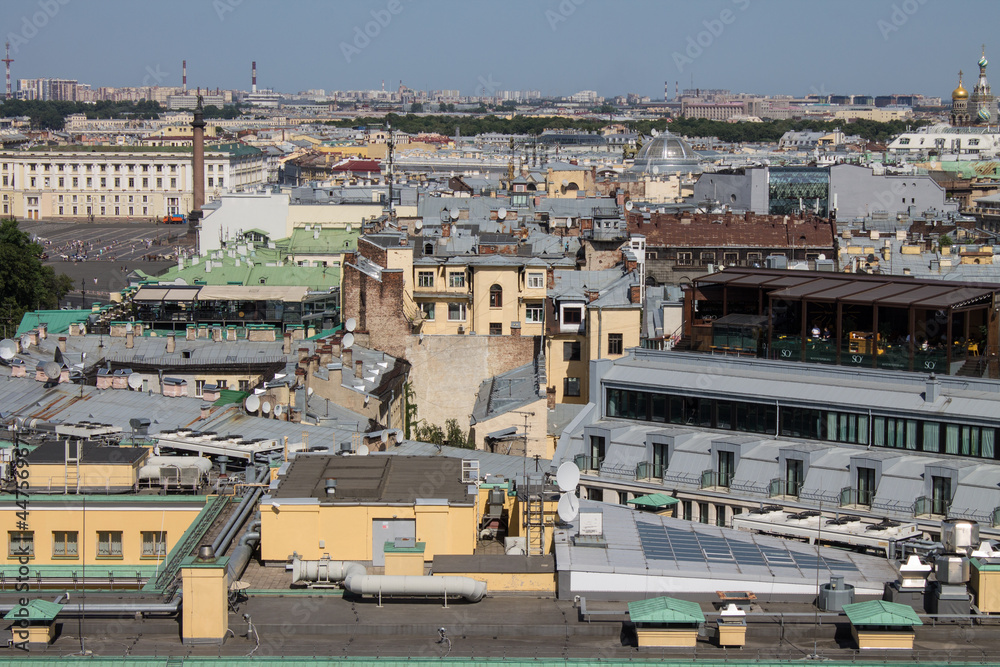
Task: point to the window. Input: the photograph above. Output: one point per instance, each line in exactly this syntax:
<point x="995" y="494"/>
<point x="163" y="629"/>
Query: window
<point x="727" y="468"/>
<point x="145" y="182"/>
<point x="496" y="296"/>
<point x="199" y="388"/>
<point x="571" y="386"/>
<point x="456" y="312"/>
<point x="720" y="516"/>
<point x="940" y="495"/>
<point x="173" y="183"/>
<point x="211" y="181"/>
<point x="534" y="313"/>
<point x="427" y="310"/>
<point x="154" y="543"/>
<point x="731" y="258"/>
<point x="708" y="256"/>
<point x="131" y="182"/>
<point x="536" y="280"/>
<point x="64" y="544"/>
<point x="76" y="182"/>
<point x="571" y="351"/>
<point x="109" y="544"/>
<point x="244" y="385"/>
<point x="866" y="486"/>
<point x="686" y="512"/>
<point x="21" y="543"/>
<point x="456" y="279"/>
<point x="496" y="329"/>
<point x="684" y="258"/>
<point x="425" y="279"/>
<point x="572" y="315"/>
<point x="118" y="182"/>
<point x="794" y="477"/>
<point x="660" y="453"/>
<point x="703" y="512"/>
<point x="615" y="343"/>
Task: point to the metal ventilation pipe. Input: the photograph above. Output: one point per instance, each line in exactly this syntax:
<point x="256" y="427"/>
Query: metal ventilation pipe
<point x="391" y="585"/>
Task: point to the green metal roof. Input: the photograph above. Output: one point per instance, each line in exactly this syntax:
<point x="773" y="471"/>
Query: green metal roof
<point x="391" y="548"/>
<point x="665" y="610"/>
<point x="880" y="612"/>
<point x="36" y="610"/>
<point x="326" y="332"/>
<point x="984" y="566"/>
<point x="229" y="396"/>
<point x="57" y="321"/>
<point x="654" y="500"/>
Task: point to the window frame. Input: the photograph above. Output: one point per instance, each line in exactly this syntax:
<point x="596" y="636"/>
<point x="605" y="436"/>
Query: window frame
<point x="106" y="538"/>
<point x="535" y="280"/>
<point x="461" y="307"/>
<point x="425" y="279"/>
<point x="616" y="343"/>
<point x="65" y="542"/>
<point x="568" y="383"/>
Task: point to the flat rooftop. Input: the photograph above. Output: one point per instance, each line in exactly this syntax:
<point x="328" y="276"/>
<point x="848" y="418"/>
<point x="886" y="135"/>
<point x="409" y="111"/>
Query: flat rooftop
<point x="374" y="479"/>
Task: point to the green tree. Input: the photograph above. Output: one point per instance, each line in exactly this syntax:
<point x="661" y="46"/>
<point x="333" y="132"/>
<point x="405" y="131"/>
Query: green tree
<point x="416" y="107"/>
<point x="455" y="436"/>
<point x="25" y="284"/>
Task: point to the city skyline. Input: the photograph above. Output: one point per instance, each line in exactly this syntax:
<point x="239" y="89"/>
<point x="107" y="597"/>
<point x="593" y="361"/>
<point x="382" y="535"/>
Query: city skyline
<point x="557" y="47"/>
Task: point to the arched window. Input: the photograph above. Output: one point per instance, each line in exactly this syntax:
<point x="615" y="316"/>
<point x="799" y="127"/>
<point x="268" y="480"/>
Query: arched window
<point x="496" y="296"/>
<point x="428" y="248"/>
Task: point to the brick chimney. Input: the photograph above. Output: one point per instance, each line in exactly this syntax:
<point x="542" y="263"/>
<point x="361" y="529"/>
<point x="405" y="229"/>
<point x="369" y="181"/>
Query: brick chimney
<point x="171" y="343"/>
<point x="445" y="230"/>
<point x="515" y="329"/>
<point x="191" y="333"/>
<point x="286" y="345"/>
<point x="591" y="295"/>
<point x="358" y="368"/>
<point x="43" y="331"/>
<point x="550" y="278"/>
<point x="129" y="339"/>
<point x="634" y="292"/>
<point x="347" y="357"/>
<point x="303" y="353"/>
<point x="62" y="344"/>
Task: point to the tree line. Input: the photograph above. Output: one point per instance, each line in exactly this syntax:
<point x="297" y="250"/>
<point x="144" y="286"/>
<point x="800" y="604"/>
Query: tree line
<point x="51" y="114"/>
<point x="25" y="283"/>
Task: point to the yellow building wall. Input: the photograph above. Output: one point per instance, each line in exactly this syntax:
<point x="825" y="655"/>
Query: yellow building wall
<point x="557" y="368"/>
<point x="205" y="612"/>
<point x="537" y="430"/>
<point x="540" y="582"/>
<point x="59" y="476"/>
<point x="600" y="323"/>
<point x="45" y="518"/>
<point x="346" y="530"/>
<point x="510" y="310"/>
<point x="686" y="638"/>
<point x="985" y="586"/>
<point x="883" y="638"/>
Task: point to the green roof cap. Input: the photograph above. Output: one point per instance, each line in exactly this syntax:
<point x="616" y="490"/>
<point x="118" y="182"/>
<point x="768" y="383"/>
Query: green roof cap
<point x="880" y="612"/>
<point x="654" y="500"/>
<point x="36" y="610"/>
<point x="665" y="610"/>
<point x="56" y="321"/>
<point x="391" y="548"/>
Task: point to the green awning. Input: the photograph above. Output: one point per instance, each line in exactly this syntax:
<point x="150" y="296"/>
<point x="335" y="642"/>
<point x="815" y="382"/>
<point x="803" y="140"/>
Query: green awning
<point x="36" y="610"/>
<point x="880" y="612"/>
<point x="665" y="610"/>
<point x="654" y="501"/>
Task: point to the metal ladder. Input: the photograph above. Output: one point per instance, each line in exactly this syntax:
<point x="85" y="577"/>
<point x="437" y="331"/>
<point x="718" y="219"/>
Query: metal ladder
<point x="535" y="515"/>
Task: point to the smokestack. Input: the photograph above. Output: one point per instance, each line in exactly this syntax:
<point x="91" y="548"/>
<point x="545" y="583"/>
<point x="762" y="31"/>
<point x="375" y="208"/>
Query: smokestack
<point x="253" y="77"/>
<point x="198" y="125"/>
<point x="184" y="77"/>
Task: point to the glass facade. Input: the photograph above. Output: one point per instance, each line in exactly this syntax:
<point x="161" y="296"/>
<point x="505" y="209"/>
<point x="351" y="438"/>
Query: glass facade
<point x="793" y="189"/>
<point x="837" y="426"/>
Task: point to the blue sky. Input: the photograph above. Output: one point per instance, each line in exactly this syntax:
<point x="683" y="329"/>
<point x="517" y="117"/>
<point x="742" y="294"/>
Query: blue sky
<point x="555" y="46"/>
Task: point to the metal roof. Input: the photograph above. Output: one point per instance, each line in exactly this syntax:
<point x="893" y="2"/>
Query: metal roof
<point x="35" y="610"/>
<point x="665" y="610"/>
<point x="880" y="612"/>
<point x="654" y="500"/>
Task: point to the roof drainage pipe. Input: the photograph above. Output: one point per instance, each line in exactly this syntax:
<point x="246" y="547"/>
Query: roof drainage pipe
<point x="228" y="531"/>
<point x="114" y="608"/>
<point x="410" y="585"/>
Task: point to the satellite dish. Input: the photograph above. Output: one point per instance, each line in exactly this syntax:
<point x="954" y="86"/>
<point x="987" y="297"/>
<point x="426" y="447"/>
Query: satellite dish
<point x="349" y="228"/>
<point x="8" y="348"/>
<point x="385" y="437"/>
<point x="135" y="381"/>
<point x="568" y="477"/>
<point x="363" y="450"/>
<point x="502" y="213"/>
<point x="348" y="340"/>
<point x="568" y="508"/>
<point x="52" y="370"/>
<point x="629" y="206"/>
<point x="351" y="324"/>
<point x="252" y="403"/>
<point x="25" y="342"/>
<point x="279" y="410"/>
<point x="822" y="256"/>
<point x="418" y="225"/>
<point x="453" y="213"/>
<point x="266" y="407"/>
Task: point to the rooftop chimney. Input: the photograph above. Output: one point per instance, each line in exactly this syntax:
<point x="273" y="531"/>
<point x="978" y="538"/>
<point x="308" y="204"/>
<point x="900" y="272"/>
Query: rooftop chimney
<point x="171" y="343"/>
<point x="932" y="389"/>
<point x="253" y="77"/>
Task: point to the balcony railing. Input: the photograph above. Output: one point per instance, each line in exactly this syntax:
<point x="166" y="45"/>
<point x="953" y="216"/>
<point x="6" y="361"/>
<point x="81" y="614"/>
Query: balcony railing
<point x="783" y="487"/>
<point x="851" y="496"/>
<point x="923" y="506"/>
<point x="714" y="478"/>
<point x="586" y="462"/>
<point x="649" y="470"/>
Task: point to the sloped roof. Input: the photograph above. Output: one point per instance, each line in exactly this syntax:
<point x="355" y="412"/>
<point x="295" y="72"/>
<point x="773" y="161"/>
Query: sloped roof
<point x="36" y="610"/>
<point x="880" y="612"/>
<point x="665" y="610"/>
<point x="654" y="500"/>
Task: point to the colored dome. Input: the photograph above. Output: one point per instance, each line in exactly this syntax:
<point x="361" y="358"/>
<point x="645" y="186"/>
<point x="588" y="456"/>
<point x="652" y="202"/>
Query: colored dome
<point x="960" y="93"/>
<point x="984" y="115"/>
<point x="667" y="153"/>
<point x="983" y="62"/>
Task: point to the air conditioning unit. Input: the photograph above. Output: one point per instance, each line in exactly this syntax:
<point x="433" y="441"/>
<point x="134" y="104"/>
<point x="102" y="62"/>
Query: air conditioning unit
<point x="461" y="329"/>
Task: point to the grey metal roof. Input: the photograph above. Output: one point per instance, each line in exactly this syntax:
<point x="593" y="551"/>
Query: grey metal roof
<point x="503" y="465"/>
<point x="506" y="392"/>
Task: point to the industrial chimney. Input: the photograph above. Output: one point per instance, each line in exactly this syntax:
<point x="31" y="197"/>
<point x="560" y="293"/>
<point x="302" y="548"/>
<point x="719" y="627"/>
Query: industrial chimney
<point x="184" y="77"/>
<point x="253" y="77"/>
